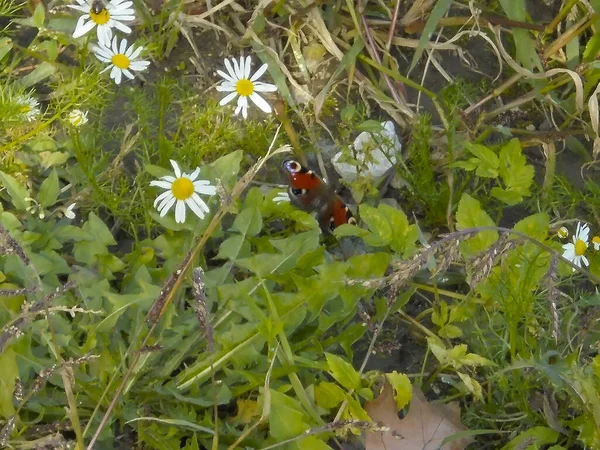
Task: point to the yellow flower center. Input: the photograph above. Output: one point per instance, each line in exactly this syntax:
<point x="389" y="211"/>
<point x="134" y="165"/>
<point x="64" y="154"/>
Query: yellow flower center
<point x="182" y="188"/>
<point x="244" y="87"/>
<point x="580" y="247"/>
<point x="596" y="240"/>
<point x="25" y="109"/>
<point x="101" y="18"/>
<point x="121" y="61"/>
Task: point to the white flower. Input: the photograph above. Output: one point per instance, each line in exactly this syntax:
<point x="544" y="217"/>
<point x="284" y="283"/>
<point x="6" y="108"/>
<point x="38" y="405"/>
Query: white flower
<point x="121" y="59"/>
<point x="182" y="190"/>
<point x="28" y="107"/>
<point x="106" y="16"/>
<point x="77" y="117"/>
<point x="596" y="242"/>
<point x="282" y="197"/>
<point x="239" y="83"/>
<point x="69" y="214"/>
<point x="575" y="252"/>
<point x="381" y="147"/>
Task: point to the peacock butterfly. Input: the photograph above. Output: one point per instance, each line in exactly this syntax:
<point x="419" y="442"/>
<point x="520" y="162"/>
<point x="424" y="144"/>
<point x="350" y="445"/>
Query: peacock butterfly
<point x="309" y="192"/>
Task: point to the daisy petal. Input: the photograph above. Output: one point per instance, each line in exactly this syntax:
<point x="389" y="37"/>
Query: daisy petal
<point x="180" y="211"/>
<point x="201" y="203"/>
<point x="176" y="168"/>
<point x="260" y="102"/>
<point x="247" y="67"/>
<point x="262" y="69"/>
<point x="230" y="69"/>
<point x="161" y="197"/>
<point x="226" y="76"/>
<point x="195" y="208"/>
<point x="161" y="184"/>
<point x="228" y="98"/>
<point x="166" y="206"/>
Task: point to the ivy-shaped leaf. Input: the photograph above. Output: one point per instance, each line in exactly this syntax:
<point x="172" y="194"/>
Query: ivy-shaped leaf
<point x="471" y="215"/>
<point x="516" y="174"/>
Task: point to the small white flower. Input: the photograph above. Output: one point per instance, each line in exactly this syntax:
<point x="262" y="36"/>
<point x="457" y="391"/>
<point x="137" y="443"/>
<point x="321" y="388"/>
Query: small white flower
<point x="596" y="242"/>
<point x="575" y="252"/>
<point x="77" y="117"/>
<point x="105" y="16"/>
<point x="182" y="190"/>
<point x="382" y="148"/>
<point x="69" y="214"/>
<point x="237" y="82"/>
<point x="282" y="197"/>
<point x="28" y="107"/>
<point x="121" y="59"/>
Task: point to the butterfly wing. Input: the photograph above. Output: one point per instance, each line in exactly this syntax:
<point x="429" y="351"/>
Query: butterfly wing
<point x="309" y="193"/>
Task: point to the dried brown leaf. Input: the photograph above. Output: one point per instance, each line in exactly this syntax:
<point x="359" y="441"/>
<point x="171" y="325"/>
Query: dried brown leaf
<point x="424" y="427"/>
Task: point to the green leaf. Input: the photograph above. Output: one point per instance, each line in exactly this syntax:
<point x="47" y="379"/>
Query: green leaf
<point x="39" y="15"/>
<point x="290" y="249"/>
<point x="313" y="443"/>
<point x="404" y="235"/>
<point x="388" y="226"/>
<point x="49" y="159"/>
<point x="486" y="160"/>
<point x="525" y="45"/>
<point x="227" y="167"/>
<point x="592" y="48"/>
<point x="49" y="190"/>
<point x="343" y="372"/>
<point x="440" y="9"/>
<point x="98" y="229"/>
<point x="8" y="377"/>
<point x="533" y="438"/>
<point x="470" y="215"/>
<point x="50" y="47"/>
<point x="402" y="388"/>
<point x="535" y="226"/>
<point x="39" y="74"/>
<point x="248" y="222"/>
<point x="328" y="395"/>
<point x="16" y="190"/>
<point x="6" y="46"/>
<point x="287" y="418"/>
<point x="516" y="174"/>
<point x="472" y="385"/>
<point x="234" y="247"/>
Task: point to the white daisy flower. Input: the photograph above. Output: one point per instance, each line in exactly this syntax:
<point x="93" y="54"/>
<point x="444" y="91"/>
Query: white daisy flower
<point x="575" y="252"/>
<point x="28" y="107"/>
<point x="239" y="83"/>
<point x="121" y="59"/>
<point x="596" y="242"/>
<point x="282" y="197"/>
<point x="77" y="117"/>
<point x="182" y="190"/>
<point x="69" y="214"/>
<point x="105" y="16"/>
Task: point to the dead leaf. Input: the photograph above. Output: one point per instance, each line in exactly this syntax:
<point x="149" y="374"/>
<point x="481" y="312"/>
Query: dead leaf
<point x="424" y="427"/>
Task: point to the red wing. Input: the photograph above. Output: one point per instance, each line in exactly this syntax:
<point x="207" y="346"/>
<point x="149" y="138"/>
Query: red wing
<point x="300" y="177"/>
<point x="310" y="193"/>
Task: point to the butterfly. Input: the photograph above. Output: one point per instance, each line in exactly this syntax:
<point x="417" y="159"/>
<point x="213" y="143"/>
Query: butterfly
<point x="309" y="192"/>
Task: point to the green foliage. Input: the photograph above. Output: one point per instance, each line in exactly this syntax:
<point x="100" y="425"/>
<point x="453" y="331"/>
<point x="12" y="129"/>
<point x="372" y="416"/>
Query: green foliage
<point x="104" y="312"/>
